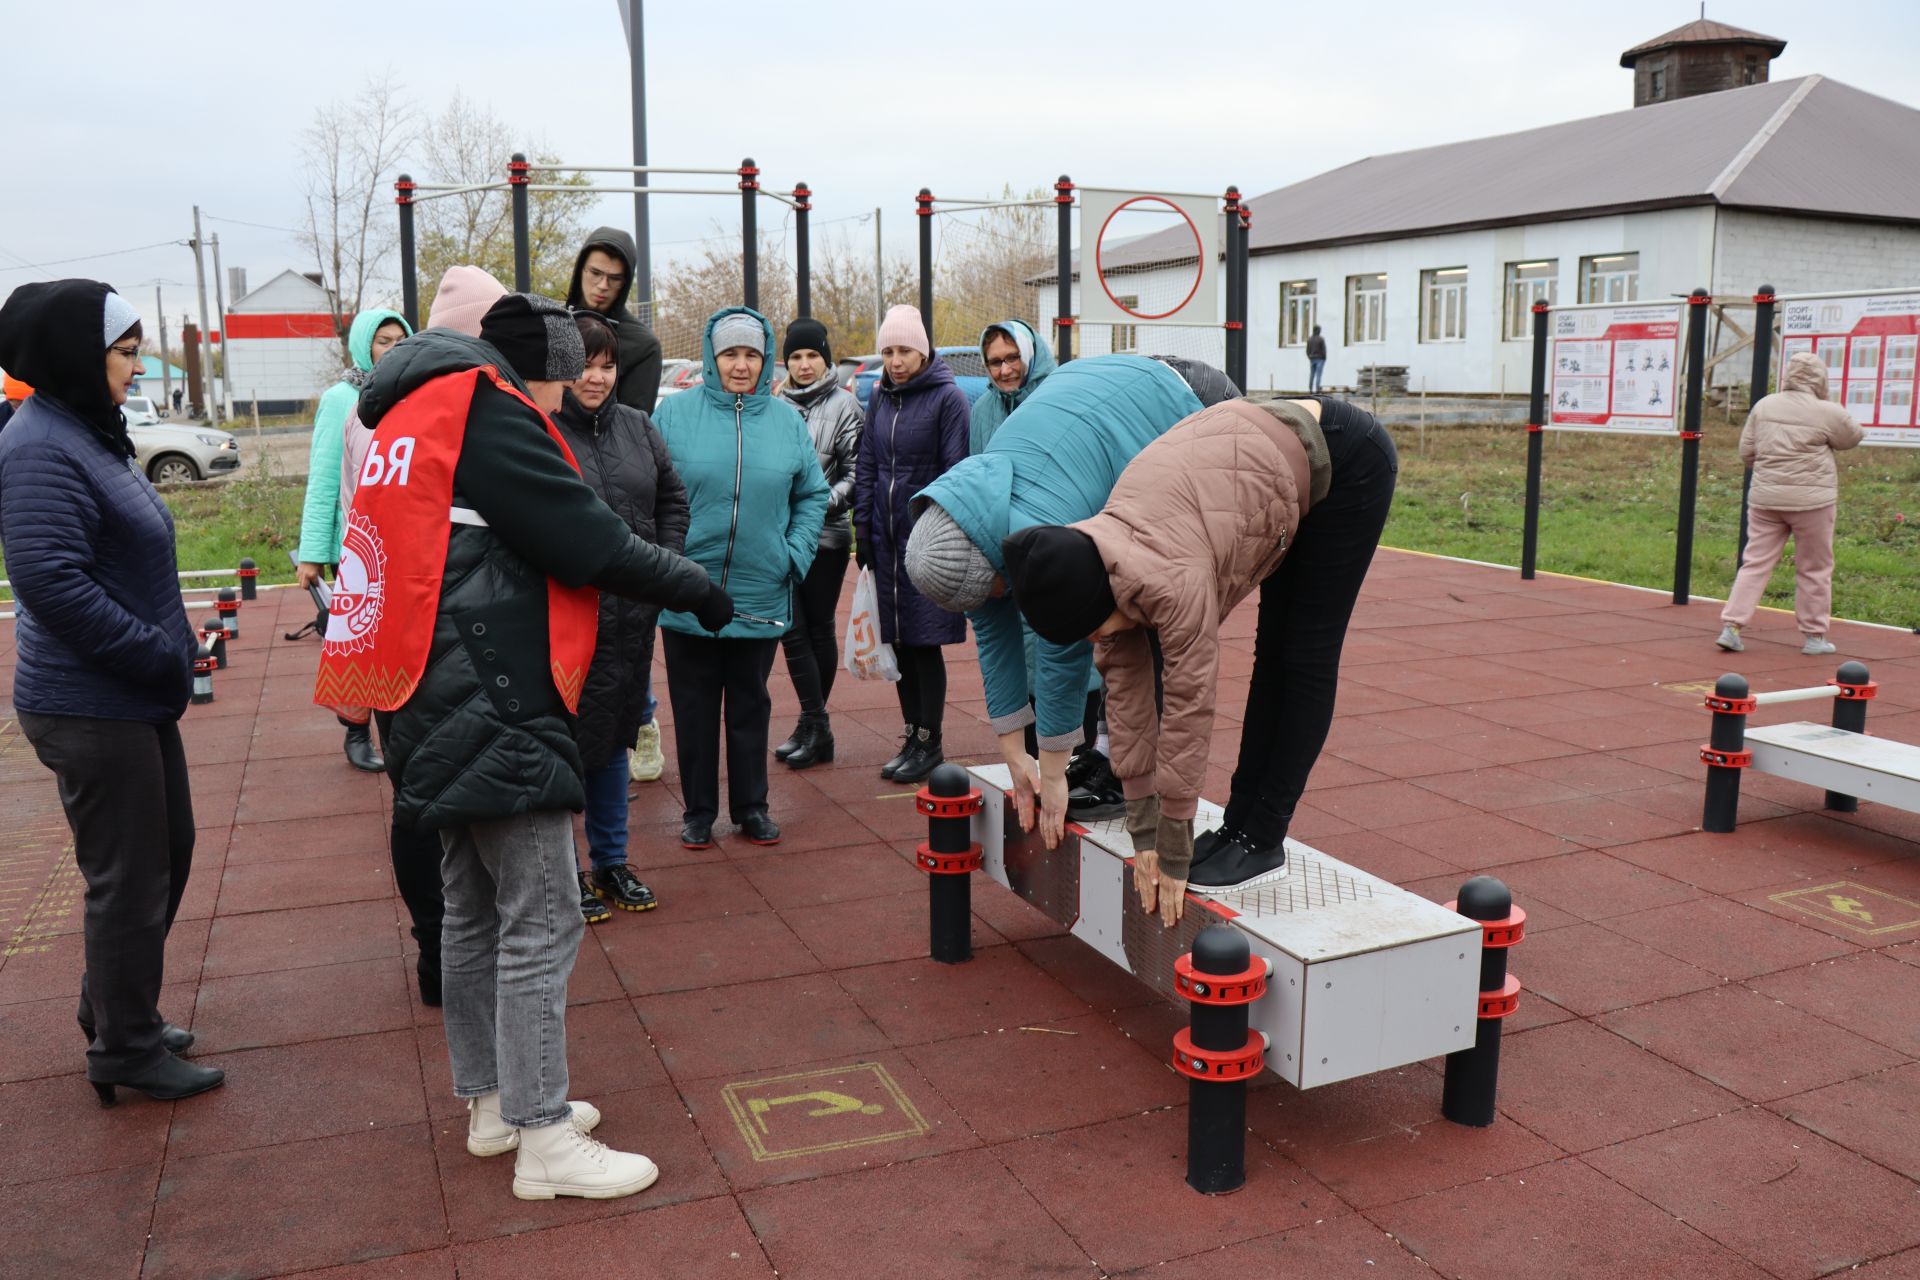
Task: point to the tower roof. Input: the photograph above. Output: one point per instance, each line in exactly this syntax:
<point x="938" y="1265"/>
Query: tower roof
<point x="1702" y="31"/>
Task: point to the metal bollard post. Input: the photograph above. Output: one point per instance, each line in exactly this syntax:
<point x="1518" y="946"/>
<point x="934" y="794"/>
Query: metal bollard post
<point x="249" y="575"/>
<point x="1726" y="752"/>
<point x="1857" y="689"/>
<point x="1218" y="1054"/>
<point x="949" y="856"/>
<point x="1473" y="1075"/>
<point x="213" y="633"/>
<point x="203" y="673"/>
<point x="228" y="603"/>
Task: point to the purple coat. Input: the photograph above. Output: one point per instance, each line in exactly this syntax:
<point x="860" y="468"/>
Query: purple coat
<point x="914" y="433"/>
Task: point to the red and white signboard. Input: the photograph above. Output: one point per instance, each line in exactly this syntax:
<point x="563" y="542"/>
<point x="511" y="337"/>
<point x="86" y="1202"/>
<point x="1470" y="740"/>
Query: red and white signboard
<point x="1869" y="343"/>
<point x="1614" y="369"/>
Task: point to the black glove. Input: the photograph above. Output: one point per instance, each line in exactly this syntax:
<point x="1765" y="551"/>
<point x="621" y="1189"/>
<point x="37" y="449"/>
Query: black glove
<point x="716" y="611"/>
<point x="862" y="558"/>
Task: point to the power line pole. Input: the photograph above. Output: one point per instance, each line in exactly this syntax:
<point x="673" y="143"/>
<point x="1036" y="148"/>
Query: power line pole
<point x="631" y="14"/>
<point x="166" y="358"/>
<point x="220" y="314"/>
<point x="206" y="352"/>
<point x="879" y="281"/>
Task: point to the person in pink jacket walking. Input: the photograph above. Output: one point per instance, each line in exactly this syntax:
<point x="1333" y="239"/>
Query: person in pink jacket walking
<point x="1789" y="441"/>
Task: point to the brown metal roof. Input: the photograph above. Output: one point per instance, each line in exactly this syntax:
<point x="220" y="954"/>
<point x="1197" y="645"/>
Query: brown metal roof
<point x="1702" y="31"/>
<point x="1811" y="146"/>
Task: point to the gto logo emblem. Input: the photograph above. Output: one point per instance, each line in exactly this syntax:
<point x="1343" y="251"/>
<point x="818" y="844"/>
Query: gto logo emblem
<point x="359" y="588"/>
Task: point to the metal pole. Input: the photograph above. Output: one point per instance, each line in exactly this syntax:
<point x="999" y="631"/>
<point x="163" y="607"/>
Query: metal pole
<point x="1473" y="1075"/>
<point x="749" y="232"/>
<point x="409" y="270"/>
<point x="517" y="180"/>
<point x="1850" y="713"/>
<point x="166" y="358"/>
<point x="1243" y="252"/>
<point x="949" y="857"/>
<point x="1763" y="306"/>
<point x="642" y="238"/>
<point x="879" y="280"/>
<point x="220" y="315"/>
<point x="803" y="264"/>
<point x="1232" y="218"/>
<point x="1536" y="433"/>
<point x="923" y="206"/>
<point x="1726" y="754"/>
<point x="1218" y="1054"/>
<point x="1690" y="444"/>
<point x="1063" y="264"/>
<point x="206" y="352"/>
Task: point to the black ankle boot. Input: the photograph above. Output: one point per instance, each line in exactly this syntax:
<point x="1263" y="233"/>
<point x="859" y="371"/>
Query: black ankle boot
<point x="795" y="740"/>
<point x="167" y="1080"/>
<point x="923" y="759"/>
<point x="427" y="972"/>
<point x="892" y="766"/>
<point x="360" y="750"/>
<point x="816" y="746"/>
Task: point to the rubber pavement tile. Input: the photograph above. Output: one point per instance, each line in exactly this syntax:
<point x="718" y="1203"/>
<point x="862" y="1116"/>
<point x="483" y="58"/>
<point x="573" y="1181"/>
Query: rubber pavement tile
<point x="1010" y="915"/>
<point x="1593" y="885"/>
<point x="699" y="892"/>
<point x="701" y="1240"/>
<point x="327" y="1201"/>
<point x="756" y="1026"/>
<point x="1868" y="994"/>
<point x="1877" y="1116"/>
<point x="114" y="1207"/>
<point x="1492" y="788"/>
<point x="1768" y="1189"/>
<point x="267" y="941"/>
<point x="918" y="1001"/>
<point x="479" y="1191"/>
<point x="1733" y="863"/>
<point x="954" y="1217"/>
<point x="1580" y="1087"/>
<point x="53" y="1129"/>
<point x="1541" y="916"/>
<point x="866" y="931"/>
<point x="1477" y="841"/>
<point x="1381" y="855"/>
<point x="1104" y="985"/>
<point x="593" y="978"/>
<point x="1727" y="938"/>
<point x="429" y="1264"/>
<point x="1601" y="821"/>
<point x="50" y="966"/>
<point x="1588" y="969"/>
<point x="1899" y="1266"/>
<point x="1562" y="1220"/>
<point x="1084" y="1178"/>
<point x="305" y="882"/>
<point x="296" y="838"/>
<point x="889" y="820"/>
<point x="1343" y="1248"/>
<point x="278" y="790"/>
<point x="1414" y="760"/>
<point x="1595" y="772"/>
<point x="1375" y="805"/>
<point x="830" y="875"/>
<point x="1421" y="722"/>
<point x="295" y="1005"/>
<point x="704" y="954"/>
<point x="316" y="739"/>
<point x="1750" y="1043"/>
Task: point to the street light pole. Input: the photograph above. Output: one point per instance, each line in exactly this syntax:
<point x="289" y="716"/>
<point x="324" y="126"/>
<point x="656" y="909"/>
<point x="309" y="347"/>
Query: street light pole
<point x="631" y="13"/>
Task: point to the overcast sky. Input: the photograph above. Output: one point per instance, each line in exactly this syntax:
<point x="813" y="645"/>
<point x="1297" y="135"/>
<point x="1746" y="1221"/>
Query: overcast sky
<point x="121" y="116"/>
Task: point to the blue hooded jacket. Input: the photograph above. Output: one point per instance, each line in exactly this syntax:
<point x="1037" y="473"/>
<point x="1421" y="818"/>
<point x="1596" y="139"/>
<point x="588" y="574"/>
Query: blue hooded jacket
<point x="755" y="495"/>
<point x="322" y="523"/>
<point x="1054" y="461"/>
<point x="993" y="408"/>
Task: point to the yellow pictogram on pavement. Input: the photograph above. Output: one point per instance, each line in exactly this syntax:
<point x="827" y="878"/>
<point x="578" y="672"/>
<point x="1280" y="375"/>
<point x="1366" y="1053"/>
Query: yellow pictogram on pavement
<point x="1857" y="907"/>
<point x="830" y="1109"/>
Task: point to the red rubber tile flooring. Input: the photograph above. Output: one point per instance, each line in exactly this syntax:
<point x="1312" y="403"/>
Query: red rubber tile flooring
<point x="1714" y="1071"/>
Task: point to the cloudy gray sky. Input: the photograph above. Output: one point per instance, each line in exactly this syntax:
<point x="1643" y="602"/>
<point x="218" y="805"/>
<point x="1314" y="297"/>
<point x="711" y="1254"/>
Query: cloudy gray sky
<point x="121" y="116"/>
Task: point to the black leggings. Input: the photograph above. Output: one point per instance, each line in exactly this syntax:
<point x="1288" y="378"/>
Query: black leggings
<point x="922" y="685"/>
<point x="1304" y="610"/>
<point x="813" y="655"/>
<point x="1090" y="721"/>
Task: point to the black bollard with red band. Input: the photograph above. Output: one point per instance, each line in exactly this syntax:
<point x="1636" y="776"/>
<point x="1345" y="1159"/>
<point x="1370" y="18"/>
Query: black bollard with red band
<point x="949" y="856"/>
<point x="1726" y="754"/>
<point x="1218" y="1054"/>
<point x="228" y="603"/>
<point x="214" y="633"/>
<point x="1473" y="1075"/>
<point x="202" y="673"/>
<point x="249" y="575"/>
<point x="1856" y="689"/>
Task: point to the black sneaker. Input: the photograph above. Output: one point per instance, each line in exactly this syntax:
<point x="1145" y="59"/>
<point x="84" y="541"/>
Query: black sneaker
<point x="1233" y="862"/>
<point x="592" y="910"/>
<point x="1086" y="804"/>
<point x="621" y="887"/>
<point x="1089" y="769"/>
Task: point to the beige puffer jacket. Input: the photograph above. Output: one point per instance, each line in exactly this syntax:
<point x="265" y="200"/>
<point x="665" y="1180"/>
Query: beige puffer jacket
<point x="1790" y="439"/>
<point x="1199" y="518"/>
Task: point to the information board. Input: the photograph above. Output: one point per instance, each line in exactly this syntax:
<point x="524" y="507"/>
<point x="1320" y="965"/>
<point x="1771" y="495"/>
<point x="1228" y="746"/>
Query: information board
<point x="1614" y="368"/>
<point x="1869" y="343"/>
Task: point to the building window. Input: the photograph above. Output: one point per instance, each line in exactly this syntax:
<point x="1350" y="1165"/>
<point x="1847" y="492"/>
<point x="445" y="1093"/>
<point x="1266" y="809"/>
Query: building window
<point x="1750" y="74"/>
<point x="1612" y="277"/>
<point x="1125" y="340"/>
<point x="1366" y="309"/>
<point x="1299" y="311"/>
<point x="1657" y="83"/>
<point x="1528" y="283"/>
<point x="1443" y="305"/>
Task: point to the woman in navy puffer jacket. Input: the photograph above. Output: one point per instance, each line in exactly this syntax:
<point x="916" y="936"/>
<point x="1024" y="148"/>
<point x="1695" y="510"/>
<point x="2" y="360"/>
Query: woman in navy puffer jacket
<point x="105" y="662"/>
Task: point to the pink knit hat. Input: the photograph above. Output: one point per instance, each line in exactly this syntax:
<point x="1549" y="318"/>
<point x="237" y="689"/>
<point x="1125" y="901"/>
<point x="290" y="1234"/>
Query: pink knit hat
<point x="464" y="295"/>
<point x="902" y="328"/>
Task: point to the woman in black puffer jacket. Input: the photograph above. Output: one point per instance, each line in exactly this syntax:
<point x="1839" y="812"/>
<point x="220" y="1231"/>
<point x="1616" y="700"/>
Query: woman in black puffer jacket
<point x="622" y="456"/>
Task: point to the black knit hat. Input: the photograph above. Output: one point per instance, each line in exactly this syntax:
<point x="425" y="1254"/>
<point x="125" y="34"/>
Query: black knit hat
<point x="537" y="336"/>
<point x="807" y="334"/>
<point x="1059" y="581"/>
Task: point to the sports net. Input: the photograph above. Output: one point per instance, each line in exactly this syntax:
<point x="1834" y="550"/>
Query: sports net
<point x="985" y="264"/>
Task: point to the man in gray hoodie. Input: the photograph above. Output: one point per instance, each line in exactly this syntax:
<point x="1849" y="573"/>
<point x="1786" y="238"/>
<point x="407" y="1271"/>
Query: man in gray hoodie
<point x="602" y="279"/>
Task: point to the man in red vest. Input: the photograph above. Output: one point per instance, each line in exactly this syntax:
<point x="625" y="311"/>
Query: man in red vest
<point x="464" y="614"/>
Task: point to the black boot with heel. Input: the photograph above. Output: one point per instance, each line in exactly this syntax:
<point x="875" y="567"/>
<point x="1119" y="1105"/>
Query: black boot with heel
<point x="816" y="743"/>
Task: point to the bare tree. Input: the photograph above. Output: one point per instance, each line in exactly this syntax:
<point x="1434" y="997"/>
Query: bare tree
<point x="352" y="152"/>
<point x="984" y="260"/>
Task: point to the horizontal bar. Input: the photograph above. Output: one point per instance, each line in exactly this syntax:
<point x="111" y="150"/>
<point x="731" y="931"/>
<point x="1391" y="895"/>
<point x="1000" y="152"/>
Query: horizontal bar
<point x="458" y="191"/>
<point x="560" y="188"/>
<point x="625" y="168"/>
<point x="997" y="204"/>
<point x="991" y="204"/>
<point x="1184" y="195"/>
<point x="455" y="188"/>
<point x="1819" y="693"/>
<point x="1845" y="293"/>
<point x="206" y="573"/>
<point x="1676" y="301"/>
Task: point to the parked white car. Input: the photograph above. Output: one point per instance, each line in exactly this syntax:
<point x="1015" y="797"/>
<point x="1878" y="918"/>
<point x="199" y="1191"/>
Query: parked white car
<point x="172" y="454"/>
<point x="141" y="412"/>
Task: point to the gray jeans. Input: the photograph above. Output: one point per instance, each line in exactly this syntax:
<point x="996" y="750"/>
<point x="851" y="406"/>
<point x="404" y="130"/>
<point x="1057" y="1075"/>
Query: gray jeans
<point x="507" y="946"/>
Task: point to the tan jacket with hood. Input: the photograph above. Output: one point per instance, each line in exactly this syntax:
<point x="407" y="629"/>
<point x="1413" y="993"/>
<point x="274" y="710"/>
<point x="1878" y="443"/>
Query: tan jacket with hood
<point x="1199" y="518"/>
<point x="1790" y="439"/>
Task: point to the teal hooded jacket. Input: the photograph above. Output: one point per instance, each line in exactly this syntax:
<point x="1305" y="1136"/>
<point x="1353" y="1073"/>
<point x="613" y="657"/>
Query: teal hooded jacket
<point x="756" y="498"/>
<point x="1054" y="461"/>
<point x="993" y="408"/>
<point x="322" y="523"/>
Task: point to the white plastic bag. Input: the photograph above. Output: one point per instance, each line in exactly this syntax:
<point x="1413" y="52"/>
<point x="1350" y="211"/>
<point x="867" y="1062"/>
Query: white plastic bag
<point x="866" y="657"/>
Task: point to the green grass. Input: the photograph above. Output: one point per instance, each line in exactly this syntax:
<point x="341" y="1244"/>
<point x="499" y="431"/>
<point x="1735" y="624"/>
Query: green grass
<point x="1609" y="507"/>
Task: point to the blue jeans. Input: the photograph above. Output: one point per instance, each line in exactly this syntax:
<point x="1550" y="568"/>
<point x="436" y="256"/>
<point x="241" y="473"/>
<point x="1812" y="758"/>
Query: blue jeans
<point x="1314" y="369"/>
<point x="607" y="813"/>
<point x="507" y="946"/>
<point x="653" y="703"/>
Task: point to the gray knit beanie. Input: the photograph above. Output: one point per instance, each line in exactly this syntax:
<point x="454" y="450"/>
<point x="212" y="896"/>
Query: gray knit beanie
<point x="739" y="330"/>
<point x="944" y="564"/>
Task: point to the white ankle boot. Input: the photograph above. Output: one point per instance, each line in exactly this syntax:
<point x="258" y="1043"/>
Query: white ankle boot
<point x="559" y="1160"/>
<point x="489" y="1135"/>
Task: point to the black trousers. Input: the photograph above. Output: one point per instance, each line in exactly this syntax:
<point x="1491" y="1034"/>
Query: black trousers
<point x="707" y="679"/>
<point x="416" y="870"/>
<point x="1304" y="610"/>
<point x="811" y="647"/>
<point x="922" y="687"/>
<point x="124" y="786"/>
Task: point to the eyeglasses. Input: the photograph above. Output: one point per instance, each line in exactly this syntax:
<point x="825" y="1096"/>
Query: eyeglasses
<point x="126" y="353"/>
<point x="1005" y="362"/>
<point x="614" y="278"/>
